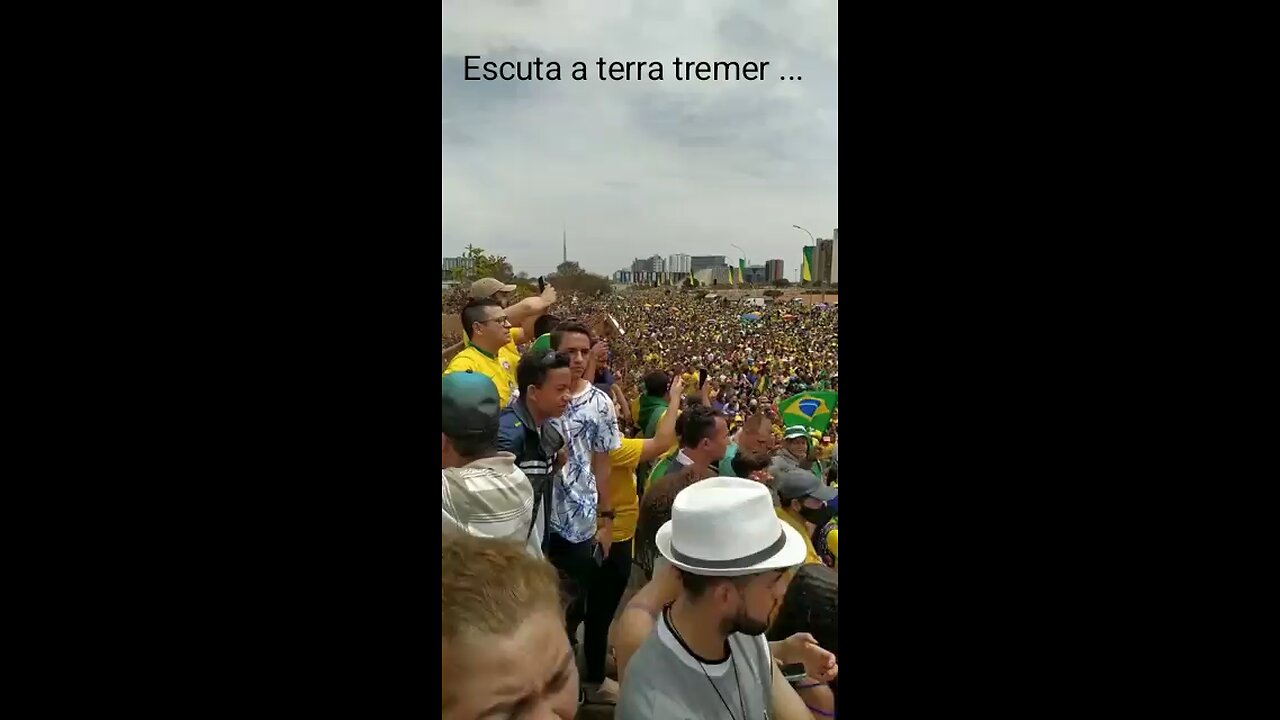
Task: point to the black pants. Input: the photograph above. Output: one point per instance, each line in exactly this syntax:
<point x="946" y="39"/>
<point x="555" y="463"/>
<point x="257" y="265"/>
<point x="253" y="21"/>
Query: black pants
<point x="577" y="566"/>
<point x="593" y="593"/>
<point x="607" y="586"/>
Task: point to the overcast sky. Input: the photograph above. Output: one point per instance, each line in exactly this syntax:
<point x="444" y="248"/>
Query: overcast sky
<point x="640" y="167"/>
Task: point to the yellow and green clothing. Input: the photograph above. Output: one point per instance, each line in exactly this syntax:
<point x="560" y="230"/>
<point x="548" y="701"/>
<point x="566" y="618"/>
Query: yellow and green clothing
<point x="622" y="487"/>
<point x="497" y="368"/>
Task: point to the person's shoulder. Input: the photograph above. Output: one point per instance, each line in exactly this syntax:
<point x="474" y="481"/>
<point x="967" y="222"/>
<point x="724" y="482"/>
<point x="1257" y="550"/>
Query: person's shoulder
<point x="465" y="359"/>
<point x="629" y="451"/>
<point x="648" y="665"/>
<point x="508" y="420"/>
<point x="646" y="689"/>
<point x="597" y="395"/>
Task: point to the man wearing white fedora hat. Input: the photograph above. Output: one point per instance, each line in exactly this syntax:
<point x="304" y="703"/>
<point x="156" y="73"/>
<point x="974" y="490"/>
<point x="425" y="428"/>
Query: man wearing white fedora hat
<point x="708" y="657"/>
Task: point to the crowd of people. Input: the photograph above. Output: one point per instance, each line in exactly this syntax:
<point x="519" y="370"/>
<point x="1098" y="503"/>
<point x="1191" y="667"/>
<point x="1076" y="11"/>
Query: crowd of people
<point x="632" y="454"/>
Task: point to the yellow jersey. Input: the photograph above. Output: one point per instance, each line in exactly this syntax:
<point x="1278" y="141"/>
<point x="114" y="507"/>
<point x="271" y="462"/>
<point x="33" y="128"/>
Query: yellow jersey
<point x="509" y="351"/>
<point x="498" y="369"/>
<point x="622" y="488"/>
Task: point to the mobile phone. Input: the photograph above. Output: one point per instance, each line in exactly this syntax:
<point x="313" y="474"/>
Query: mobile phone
<point x="597" y="553"/>
<point x="542" y="287"/>
<point x="793" y="672"/>
<point x="702" y="377"/>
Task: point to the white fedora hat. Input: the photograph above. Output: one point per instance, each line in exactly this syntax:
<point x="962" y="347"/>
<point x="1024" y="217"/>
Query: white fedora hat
<point x="726" y="526"/>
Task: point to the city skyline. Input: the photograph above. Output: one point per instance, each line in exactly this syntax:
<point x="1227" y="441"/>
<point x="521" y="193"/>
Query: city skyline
<point x="628" y="169"/>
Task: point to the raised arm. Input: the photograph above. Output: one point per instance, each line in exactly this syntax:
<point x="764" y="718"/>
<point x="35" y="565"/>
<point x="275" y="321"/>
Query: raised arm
<point x="531" y="308"/>
<point x="665" y="437"/>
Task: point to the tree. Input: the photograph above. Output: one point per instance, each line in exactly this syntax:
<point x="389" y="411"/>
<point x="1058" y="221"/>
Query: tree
<point x="482" y="265"/>
<point x="772" y="293"/>
<point x="782" y="282"/>
<point x="570" y="279"/>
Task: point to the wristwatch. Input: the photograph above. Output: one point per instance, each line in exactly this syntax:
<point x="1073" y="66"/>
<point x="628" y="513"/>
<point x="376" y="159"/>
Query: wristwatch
<point x="608" y="514"/>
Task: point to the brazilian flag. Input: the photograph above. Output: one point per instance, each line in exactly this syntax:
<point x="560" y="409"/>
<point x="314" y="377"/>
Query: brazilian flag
<point x="811" y="409"/>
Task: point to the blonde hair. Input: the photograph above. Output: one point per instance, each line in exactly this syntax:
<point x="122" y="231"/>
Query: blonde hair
<point x="490" y="586"/>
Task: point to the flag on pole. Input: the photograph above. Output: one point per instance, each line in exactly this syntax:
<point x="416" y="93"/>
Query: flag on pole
<point x="742" y="270"/>
<point x="805" y="273"/>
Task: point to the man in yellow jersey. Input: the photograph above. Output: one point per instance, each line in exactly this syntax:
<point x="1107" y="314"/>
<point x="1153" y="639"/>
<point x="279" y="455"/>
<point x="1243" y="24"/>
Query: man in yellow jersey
<point x="486" y="323"/>
<point x="608" y="585"/>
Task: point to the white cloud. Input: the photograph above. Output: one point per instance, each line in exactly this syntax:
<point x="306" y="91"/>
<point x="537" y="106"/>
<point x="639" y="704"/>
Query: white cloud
<point x="639" y="167"/>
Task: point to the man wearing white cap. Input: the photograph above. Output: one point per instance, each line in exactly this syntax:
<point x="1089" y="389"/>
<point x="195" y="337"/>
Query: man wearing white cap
<point x="708" y="657"/>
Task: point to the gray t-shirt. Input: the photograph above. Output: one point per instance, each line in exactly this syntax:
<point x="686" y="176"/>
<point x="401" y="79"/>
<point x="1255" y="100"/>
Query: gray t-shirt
<point x="664" y="681"/>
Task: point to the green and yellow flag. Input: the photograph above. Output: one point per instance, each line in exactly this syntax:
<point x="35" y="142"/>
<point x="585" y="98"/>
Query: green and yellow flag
<point x="811" y="409"/>
<point x="742" y="270"/>
<point x="806" y="264"/>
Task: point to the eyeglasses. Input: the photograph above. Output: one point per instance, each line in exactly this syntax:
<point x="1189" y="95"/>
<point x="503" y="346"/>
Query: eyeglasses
<point x="503" y="320"/>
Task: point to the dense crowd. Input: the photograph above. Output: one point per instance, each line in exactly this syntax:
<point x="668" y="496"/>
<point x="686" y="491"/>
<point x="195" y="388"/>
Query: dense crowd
<point x="641" y="446"/>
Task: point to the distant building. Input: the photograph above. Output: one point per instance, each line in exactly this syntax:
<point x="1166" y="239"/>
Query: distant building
<point x="622" y="276"/>
<point x="656" y="264"/>
<point x="679" y="263"/>
<point x="756" y="275"/>
<point x="448" y="265"/>
<point x="835" y="256"/>
<point x="454" y="263"/>
<point x="639" y="266"/>
<point x="705" y="262"/>
<point x="822" y="260"/>
<point x="713" y="276"/>
<point x="773" y="270"/>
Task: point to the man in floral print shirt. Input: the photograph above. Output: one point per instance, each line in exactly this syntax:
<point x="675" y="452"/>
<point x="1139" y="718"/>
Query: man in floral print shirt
<point x="580" y="497"/>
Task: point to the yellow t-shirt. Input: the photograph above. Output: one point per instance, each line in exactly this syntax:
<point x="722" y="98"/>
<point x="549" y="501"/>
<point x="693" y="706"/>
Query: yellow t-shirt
<point x="691" y="388"/>
<point x="497" y="368"/>
<point x="810" y="555"/>
<point x="622" y="488"/>
<point x="833" y="542"/>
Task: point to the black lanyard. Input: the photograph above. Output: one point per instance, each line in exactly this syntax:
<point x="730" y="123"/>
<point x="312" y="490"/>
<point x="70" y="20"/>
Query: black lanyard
<point x="666" y="611"/>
